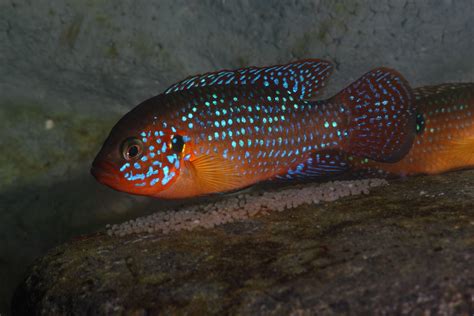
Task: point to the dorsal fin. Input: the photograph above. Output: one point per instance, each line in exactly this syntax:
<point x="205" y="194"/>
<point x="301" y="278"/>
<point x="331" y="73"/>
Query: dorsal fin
<point x="304" y="78"/>
<point x="444" y="89"/>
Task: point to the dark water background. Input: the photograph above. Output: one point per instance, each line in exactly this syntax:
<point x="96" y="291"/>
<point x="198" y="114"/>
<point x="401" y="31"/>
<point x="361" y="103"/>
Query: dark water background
<point x="69" y="69"/>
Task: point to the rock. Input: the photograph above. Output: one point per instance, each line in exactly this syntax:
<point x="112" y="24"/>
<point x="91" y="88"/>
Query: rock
<point x="70" y="69"/>
<point x="406" y="248"/>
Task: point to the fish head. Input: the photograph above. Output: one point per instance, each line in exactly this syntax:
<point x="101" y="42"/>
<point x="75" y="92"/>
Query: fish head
<point x="138" y="158"/>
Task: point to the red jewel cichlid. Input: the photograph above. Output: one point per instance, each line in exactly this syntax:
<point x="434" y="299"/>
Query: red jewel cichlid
<point x="445" y="134"/>
<point x="227" y="130"/>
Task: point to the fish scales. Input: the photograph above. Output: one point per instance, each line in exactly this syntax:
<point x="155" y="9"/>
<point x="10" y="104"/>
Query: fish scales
<point x="266" y="132"/>
<point x="445" y="134"/>
<point x="226" y="130"/>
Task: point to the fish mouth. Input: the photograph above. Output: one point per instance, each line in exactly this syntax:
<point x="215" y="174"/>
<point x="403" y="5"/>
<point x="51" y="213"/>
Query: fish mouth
<point x="104" y="172"/>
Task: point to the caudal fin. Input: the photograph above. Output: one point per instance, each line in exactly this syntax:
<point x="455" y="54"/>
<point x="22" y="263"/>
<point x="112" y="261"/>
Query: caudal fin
<point x="381" y="116"/>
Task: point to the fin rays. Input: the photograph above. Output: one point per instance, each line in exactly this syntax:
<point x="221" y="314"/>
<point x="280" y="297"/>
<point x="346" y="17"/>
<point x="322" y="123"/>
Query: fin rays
<point x="305" y="78"/>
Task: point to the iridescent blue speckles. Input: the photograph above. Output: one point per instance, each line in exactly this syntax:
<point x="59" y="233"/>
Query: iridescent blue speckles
<point x="132" y="177"/>
<point x="124" y="166"/>
<point x="172" y="158"/>
<point x="261" y="129"/>
<point x="151" y="172"/>
<point x="154" y="181"/>
<point x="306" y="78"/>
<point x="167" y="176"/>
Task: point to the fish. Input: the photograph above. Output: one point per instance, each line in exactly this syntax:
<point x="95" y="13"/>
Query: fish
<point x="227" y="130"/>
<point x="444" y="138"/>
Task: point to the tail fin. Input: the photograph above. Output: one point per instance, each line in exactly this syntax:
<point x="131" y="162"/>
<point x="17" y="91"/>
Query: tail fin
<point x="381" y="116"/>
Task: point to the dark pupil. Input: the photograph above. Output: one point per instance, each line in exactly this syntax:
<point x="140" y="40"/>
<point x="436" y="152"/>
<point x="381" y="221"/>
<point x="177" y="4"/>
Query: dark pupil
<point x="177" y="143"/>
<point x="133" y="151"/>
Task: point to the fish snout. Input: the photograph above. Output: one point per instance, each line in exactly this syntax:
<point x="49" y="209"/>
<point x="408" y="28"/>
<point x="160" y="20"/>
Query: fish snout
<point x="103" y="171"/>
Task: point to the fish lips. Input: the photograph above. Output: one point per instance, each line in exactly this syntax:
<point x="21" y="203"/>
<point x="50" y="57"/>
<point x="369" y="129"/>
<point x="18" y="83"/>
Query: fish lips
<point x="104" y="172"/>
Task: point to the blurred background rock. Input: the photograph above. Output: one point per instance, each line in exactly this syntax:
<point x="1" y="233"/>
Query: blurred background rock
<point x="70" y="69"/>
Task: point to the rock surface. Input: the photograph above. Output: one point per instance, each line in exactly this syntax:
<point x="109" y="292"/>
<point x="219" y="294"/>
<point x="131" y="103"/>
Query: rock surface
<point x="70" y="69"/>
<point x="404" y="249"/>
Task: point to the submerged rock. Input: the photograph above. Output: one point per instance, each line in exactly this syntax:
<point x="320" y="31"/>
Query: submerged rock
<point x="405" y="248"/>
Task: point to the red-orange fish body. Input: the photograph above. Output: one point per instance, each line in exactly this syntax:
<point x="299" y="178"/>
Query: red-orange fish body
<point x="230" y="129"/>
<point x="445" y="133"/>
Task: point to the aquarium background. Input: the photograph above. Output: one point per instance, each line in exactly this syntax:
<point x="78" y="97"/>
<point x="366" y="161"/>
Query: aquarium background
<point x="70" y="69"/>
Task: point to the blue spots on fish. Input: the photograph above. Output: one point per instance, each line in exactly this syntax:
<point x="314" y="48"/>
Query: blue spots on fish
<point x="131" y="177"/>
<point x="305" y="78"/>
<point x="151" y="172"/>
<point x="383" y="118"/>
<point x="166" y="170"/>
<point x="154" y="181"/>
<point x="420" y="123"/>
<point x="124" y="167"/>
<point x="172" y="158"/>
<point x="167" y="178"/>
<point x="258" y="120"/>
<point x="319" y="164"/>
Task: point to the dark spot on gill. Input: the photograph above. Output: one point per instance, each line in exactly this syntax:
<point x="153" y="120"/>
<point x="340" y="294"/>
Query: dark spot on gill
<point x="177" y="143"/>
<point x="420" y="123"/>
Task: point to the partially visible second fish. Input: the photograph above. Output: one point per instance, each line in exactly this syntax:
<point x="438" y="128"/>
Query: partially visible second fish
<point x="227" y="130"/>
<point x="445" y="134"/>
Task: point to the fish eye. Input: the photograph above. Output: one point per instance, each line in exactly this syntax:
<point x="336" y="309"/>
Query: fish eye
<point x="177" y="143"/>
<point x="132" y="148"/>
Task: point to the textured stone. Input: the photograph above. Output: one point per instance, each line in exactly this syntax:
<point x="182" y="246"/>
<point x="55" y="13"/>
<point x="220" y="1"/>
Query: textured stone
<point x="81" y="64"/>
<point x="404" y="249"/>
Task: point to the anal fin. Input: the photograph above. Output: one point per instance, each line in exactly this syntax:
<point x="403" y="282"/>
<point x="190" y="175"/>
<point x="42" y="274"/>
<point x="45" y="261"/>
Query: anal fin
<point x="320" y="164"/>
